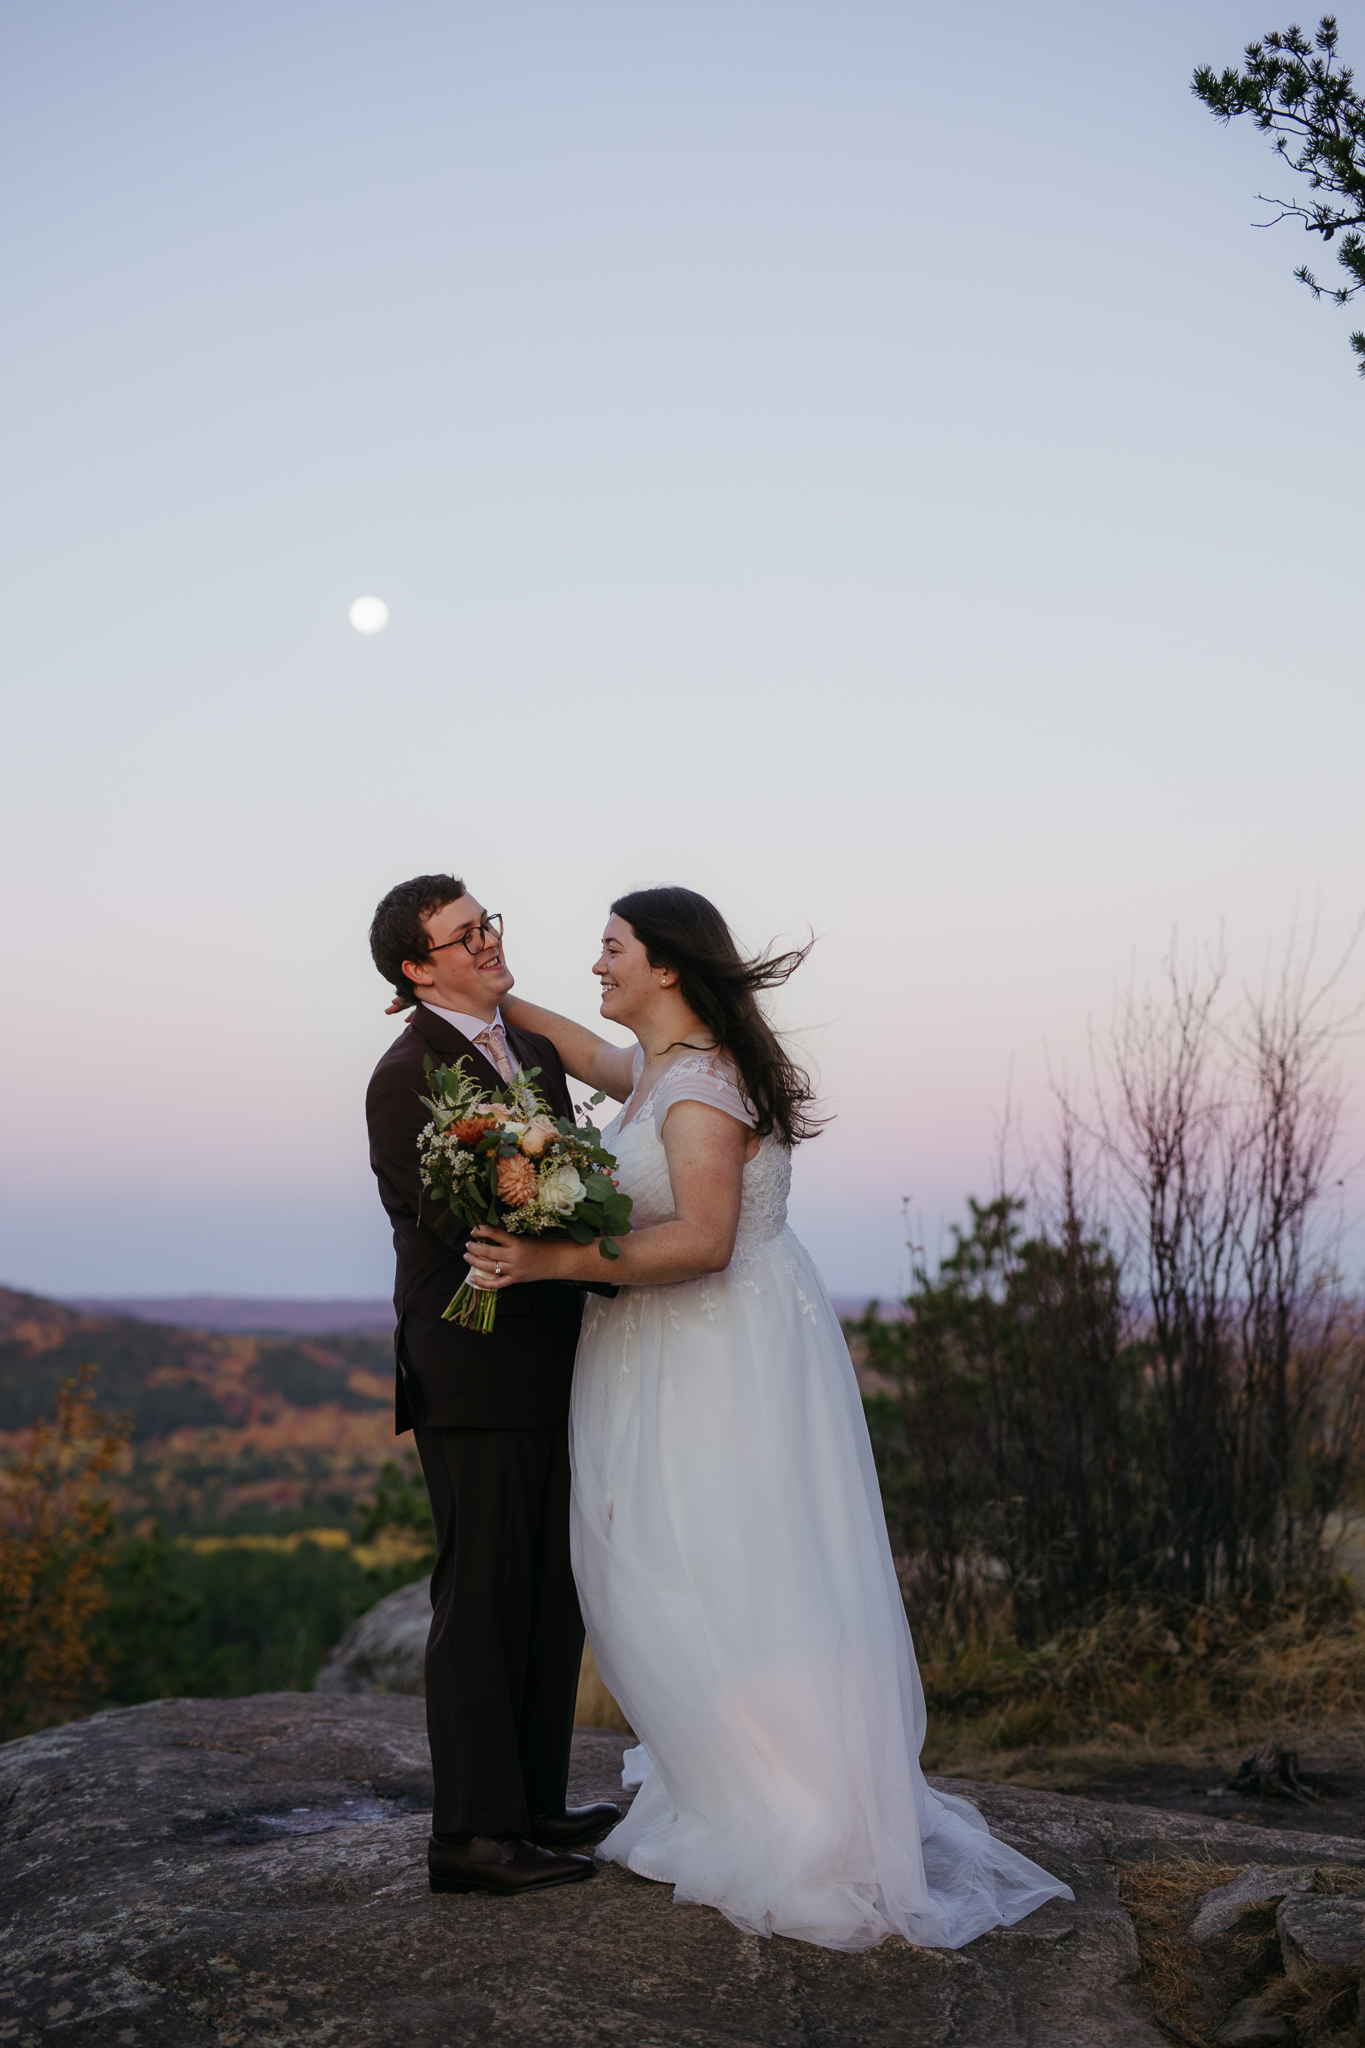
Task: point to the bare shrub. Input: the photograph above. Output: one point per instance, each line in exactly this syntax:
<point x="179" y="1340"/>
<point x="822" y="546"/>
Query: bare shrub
<point x="1142" y="1412"/>
<point x="1220" y="1138"/>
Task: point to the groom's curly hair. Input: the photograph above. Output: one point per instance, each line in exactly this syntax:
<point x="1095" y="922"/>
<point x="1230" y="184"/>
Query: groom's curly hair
<point x="684" y="931"/>
<point x="397" y="932"/>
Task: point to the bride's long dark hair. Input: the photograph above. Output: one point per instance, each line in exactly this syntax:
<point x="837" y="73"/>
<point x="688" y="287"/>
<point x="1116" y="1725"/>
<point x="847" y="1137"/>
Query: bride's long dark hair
<point x="682" y="930"/>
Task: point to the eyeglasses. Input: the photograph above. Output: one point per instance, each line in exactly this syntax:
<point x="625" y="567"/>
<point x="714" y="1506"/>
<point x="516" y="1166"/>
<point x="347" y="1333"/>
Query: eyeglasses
<point x="476" y="938"/>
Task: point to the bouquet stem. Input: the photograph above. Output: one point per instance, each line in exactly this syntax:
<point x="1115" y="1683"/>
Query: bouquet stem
<point x="473" y="1308"/>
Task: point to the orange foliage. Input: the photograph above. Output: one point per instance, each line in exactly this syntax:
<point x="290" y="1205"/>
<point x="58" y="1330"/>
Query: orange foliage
<point x="55" y="1525"/>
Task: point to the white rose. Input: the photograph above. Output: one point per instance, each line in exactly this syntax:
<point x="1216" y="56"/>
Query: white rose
<point x="561" y="1190"/>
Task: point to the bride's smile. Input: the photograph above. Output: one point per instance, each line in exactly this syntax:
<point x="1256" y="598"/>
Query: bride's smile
<point x="624" y="975"/>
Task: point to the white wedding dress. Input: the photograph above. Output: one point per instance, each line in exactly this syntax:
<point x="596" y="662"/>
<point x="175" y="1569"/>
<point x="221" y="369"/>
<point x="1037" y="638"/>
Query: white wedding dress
<point x="737" y="1585"/>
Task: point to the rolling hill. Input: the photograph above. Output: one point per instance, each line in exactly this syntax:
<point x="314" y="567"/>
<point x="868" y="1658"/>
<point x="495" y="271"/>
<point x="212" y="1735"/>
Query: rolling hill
<point x="228" y="1431"/>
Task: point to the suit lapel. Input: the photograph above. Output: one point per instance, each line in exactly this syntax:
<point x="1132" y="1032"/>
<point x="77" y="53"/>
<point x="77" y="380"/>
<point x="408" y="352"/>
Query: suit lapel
<point x="526" y="1054"/>
<point x="522" y="1051"/>
<point x="446" y="1045"/>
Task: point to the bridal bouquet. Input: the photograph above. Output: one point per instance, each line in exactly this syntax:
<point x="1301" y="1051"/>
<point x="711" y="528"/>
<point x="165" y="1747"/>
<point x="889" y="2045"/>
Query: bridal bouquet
<point x="505" y="1159"/>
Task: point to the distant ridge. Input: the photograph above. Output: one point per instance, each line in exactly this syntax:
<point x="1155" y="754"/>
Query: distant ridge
<point x="848" y="1306"/>
<point x="243" y="1315"/>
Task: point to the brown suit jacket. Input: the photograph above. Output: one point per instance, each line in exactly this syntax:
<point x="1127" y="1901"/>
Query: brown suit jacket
<point x="518" y="1376"/>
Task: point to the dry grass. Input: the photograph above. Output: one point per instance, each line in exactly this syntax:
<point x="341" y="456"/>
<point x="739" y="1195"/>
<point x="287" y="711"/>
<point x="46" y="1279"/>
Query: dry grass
<point x="1138" y="1673"/>
<point x="1159" y="1897"/>
<point x="1142" y="1687"/>
<point x="1321" y="2006"/>
<point x="595" y="1707"/>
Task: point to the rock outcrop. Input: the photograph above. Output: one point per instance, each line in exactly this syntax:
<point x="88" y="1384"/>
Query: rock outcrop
<point x="1221" y="1909"/>
<point x="250" y="1874"/>
<point x="1321" y="1933"/>
<point x="385" y="1651"/>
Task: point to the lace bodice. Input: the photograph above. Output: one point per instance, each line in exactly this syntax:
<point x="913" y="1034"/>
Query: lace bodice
<point x="635" y="1139"/>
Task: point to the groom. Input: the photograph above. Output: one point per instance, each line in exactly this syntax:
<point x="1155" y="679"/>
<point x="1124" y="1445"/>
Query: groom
<point x="490" y="1415"/>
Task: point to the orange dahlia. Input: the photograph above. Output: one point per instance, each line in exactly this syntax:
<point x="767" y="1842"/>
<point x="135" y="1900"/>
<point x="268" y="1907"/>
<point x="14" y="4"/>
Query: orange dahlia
<point x="470" y="1129"/>
<point x="516" y="1181"/>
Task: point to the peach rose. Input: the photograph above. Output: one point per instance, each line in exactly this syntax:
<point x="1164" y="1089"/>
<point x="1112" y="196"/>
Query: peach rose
<point x="516" y="1181"/>
<point x="539" y="1134"/>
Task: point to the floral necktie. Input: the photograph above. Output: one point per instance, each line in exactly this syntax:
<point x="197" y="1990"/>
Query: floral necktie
<point x="492" y="1042"/>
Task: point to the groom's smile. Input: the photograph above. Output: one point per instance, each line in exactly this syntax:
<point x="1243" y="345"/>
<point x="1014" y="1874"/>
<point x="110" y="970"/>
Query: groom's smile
<point x="464" y="968"/>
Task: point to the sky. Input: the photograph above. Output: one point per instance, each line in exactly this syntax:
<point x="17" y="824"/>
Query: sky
<point x="856" y="460"/>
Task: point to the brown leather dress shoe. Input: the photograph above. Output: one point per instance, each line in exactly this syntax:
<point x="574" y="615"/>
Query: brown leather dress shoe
<point x="478" y="1863"/>
<point x="575" y="1824"/>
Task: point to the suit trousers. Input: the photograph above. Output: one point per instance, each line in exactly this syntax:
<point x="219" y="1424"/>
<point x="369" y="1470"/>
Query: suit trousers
<point x="506" y="1636"/>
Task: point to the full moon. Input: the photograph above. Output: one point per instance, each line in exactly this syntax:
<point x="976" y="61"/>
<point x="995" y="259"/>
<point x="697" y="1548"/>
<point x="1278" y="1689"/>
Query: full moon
<point x="369" y="615"/>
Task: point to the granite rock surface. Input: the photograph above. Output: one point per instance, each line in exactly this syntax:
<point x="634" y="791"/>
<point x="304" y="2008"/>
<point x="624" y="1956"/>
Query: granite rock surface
<point x="1321" y="1933"/>
<point x="250" y="1874"/>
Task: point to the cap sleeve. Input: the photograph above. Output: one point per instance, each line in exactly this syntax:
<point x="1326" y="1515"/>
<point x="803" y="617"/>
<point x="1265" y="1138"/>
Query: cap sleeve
<point x="707" y="1079"/>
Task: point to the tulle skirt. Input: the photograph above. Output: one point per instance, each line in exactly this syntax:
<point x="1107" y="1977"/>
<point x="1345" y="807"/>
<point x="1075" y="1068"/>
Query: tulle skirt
<point x="739" y="1594"/>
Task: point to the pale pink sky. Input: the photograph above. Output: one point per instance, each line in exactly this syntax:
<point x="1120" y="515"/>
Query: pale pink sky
<point x="743" y="521"/>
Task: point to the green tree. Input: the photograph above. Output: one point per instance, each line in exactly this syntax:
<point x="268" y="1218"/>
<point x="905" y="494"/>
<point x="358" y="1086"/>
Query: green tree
<point x="1017" y="1434"/>
<point x="217" y="1623"/>
<point x="1296" y="91"/>
<point x="236" y="1617"/>
<point x="145" y="1624"/>
<point x="400" y="1504"/>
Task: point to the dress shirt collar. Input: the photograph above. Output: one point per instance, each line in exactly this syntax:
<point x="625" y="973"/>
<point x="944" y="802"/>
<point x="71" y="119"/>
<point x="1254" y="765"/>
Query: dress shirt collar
<point x="470" y="1026"/>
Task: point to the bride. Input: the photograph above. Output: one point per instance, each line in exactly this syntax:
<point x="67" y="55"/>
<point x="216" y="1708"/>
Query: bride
<point x="728" y="1537"/>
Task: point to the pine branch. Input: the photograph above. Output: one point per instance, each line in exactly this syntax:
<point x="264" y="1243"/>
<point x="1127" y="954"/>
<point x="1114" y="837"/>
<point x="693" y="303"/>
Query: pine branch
<point x="1297" y="92"/>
